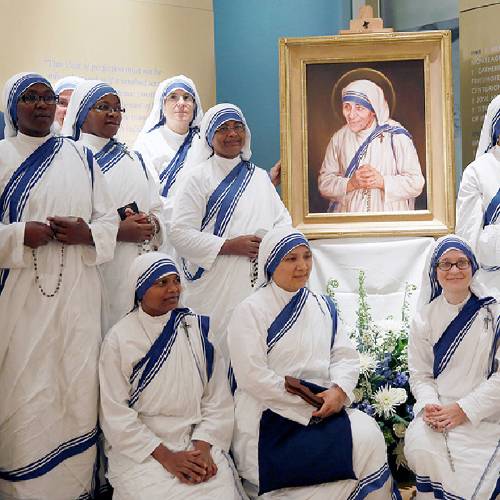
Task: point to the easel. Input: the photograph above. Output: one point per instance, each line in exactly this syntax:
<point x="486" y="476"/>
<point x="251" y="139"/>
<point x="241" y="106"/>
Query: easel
<point x="366" y="23"/>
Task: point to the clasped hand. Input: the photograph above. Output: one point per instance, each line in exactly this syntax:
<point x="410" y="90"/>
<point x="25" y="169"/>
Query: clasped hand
<point x="365" y="177"/>
<point x="68" y="230"/>
<point x="442" y="418"/>
<point x="136" y="228"/>
<point x="190" y="467"/>
<point x="246" y="245"/>
<point x="333" y="401"/>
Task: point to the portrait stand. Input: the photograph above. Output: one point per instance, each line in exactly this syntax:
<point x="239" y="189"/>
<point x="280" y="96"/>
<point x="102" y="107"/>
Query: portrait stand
<point x="366" y="23"/>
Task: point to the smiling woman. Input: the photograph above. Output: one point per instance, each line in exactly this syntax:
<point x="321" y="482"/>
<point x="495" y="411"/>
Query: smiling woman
<point x="453" y="357"/>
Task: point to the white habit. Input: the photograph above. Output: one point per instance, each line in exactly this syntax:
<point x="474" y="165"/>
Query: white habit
<point x="178" y="406"/>
<point x="392" y="154"/>
<point x="227" y="278"/>
<point x="49" y="346"/>
<point x="480" y="183"/>
<point x="303" y="352"/>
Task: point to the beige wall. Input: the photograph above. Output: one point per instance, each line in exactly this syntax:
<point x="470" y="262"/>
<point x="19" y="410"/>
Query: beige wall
<point x="132" y="44"/>
<point x="479" y="66"/>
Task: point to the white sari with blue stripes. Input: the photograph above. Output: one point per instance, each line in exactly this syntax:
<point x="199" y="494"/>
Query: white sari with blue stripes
<point x="172" y="398"/>
<point x="304" y="350"/>
<point x="226" y="279"/>
<point x="392" y="153"/>
<point x="49" y="346"/>
<point x="467" y="373"/>
<point x="128" y="180"/>
<point x="478" y="215"/>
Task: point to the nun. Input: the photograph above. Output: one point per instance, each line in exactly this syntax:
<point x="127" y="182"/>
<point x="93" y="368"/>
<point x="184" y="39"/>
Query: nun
<point x="370" y="164"/>
<point x="453" y="443"/>
<point x="63" y="89"/>
<point x="93" y="119"/>
<point x="287" y="350"/>
<point x="478" y="201"/>
<point x="166" y="409"/>
<point x="221" y="212"/>
<point x="57" y="224"/>
<point x="170" y="129"/>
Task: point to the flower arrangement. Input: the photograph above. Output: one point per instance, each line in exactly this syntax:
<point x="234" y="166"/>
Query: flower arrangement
<point x="383" y="390"/>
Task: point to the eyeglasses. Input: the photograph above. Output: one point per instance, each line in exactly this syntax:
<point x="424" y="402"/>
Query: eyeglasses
<point x="446" y="265"/>
<point x="35" y="98"/>
<point x="224" y="129"/>
<point x="174" y="98"/>
<point x="106" y="108"/>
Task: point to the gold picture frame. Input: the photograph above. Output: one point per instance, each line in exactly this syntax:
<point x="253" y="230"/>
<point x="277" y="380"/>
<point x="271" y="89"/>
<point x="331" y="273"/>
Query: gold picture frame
<point x="416" y="69"/>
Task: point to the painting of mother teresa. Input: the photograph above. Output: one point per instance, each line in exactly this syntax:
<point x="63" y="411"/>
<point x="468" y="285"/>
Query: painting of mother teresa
<point x="370" y="163"/>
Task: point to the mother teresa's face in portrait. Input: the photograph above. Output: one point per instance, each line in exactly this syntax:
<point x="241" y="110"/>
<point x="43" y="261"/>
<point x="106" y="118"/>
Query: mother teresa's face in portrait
<point x="358" y="117"/>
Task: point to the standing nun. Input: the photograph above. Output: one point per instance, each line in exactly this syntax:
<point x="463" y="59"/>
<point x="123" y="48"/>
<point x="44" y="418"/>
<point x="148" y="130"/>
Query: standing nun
<point x="453" y="444"/>
<point x="93" y="119"/>
<point x="221" y="212"/>
<point x="478" y="201"/>
<point x="57" y="224"/>
<point x="166" y="409"/>
<point x="284" y="447"/>
<point x="63" y="89"/>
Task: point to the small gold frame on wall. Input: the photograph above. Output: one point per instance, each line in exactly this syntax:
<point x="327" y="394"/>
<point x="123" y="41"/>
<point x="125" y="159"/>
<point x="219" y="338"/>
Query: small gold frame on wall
<point x="414" y="72"/>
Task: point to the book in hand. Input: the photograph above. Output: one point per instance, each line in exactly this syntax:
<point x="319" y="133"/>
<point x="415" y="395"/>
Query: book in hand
<point x="294" y="386"/>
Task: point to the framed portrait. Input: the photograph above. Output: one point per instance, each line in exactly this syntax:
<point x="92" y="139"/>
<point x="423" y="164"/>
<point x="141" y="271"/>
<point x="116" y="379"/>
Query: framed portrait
<point x="367" y="134"/>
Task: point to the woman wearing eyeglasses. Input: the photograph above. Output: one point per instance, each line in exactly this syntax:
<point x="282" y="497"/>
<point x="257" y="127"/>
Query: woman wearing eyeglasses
<point x="478" y="201"/>
<point x="57" y="224"/>
<point x="221" y="212"/>
<point x="453" y="356"/>
<point x="93" y="119"/>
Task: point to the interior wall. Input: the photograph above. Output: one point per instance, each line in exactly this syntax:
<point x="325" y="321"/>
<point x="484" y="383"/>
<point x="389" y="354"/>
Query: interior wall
<point x="247" y="67"/>
<point x="131" y="44"/>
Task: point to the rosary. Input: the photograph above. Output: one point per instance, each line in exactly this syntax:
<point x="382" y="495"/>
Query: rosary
<point x="59" y="278"/>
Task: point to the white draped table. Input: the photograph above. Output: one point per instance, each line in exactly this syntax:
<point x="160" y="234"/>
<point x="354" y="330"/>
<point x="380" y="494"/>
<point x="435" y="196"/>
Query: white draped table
<point x="389" y="263"/>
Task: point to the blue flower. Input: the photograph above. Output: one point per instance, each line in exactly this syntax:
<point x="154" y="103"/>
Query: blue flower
<point x="400" y="379"/>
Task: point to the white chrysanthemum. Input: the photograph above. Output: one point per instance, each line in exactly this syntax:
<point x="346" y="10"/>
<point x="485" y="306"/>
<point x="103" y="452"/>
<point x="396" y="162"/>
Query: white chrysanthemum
<point x="390" y="325"/>
<point x="386" y="398"/>
<point x="367" y="363"/>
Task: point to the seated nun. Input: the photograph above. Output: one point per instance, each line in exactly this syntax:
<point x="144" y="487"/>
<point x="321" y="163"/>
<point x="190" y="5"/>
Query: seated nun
<point x="166" y="409"/>
<point x="283" y="447"/>
<point x="453" y="443"/>
<point x="221" y="212"/>
<point x="93" y="119"/>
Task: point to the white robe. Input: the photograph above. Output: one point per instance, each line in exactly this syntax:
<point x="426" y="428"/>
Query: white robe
<point x="227" y="278"/>
<point x="174" y="409"/>
<point x="49" y="347"/>
<point x="303" y="352"/>
<point x="396" y="160"/>
<point x="480" y="183"/>
<point x="158" y="148"/>
<point x="464" y="381"/>
<point x="126" y="182"/>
